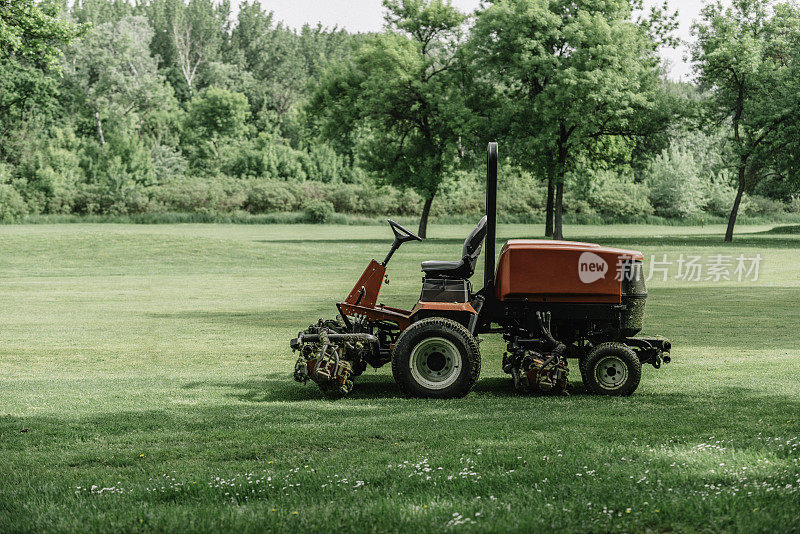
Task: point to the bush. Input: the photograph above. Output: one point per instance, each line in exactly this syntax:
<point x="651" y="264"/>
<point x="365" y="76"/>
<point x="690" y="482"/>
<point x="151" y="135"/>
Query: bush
<point x="319" y="211"/>
<point x="350" y="198"/>
<point x="282" y="162"/>
<point x="324" y="164"/>
<point x="758" y="205"/>
<point x="12" y="205"/>
<point x="168" y="162"/>
<point x="720" y="195"/>
<point x="618" y="196"/>
<point x="214" y="195"/>
<point x="676" y="189"/>
<point x="265" y="197"/>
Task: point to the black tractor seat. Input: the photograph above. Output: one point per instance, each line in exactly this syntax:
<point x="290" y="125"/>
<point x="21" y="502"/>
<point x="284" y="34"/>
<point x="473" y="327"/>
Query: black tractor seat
<point x="465" y="267"/>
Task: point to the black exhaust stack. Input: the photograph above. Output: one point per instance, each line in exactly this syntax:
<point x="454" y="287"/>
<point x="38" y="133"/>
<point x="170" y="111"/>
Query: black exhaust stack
<point x="491" y="220"/>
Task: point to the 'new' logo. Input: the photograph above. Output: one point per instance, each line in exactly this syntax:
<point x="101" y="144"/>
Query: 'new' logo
<point x="591" y="267"/>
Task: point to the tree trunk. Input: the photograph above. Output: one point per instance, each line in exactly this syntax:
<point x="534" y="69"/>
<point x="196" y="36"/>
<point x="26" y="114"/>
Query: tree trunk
<point x="557" y="230"/>
<point x="423" y="220"/>
<point x="99" y="128"/>
<point x="548" y="215"/>
<point x="735" y="209"/>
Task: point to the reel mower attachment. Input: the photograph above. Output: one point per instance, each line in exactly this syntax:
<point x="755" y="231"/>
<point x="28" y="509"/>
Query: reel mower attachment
<point x="538" y="365"/>
<point x="331" y="358"/>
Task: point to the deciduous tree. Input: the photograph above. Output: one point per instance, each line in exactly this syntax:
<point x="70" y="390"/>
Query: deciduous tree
<point x="403" y="97"/>
<point x="113" y="71"/>
<point x="570" y="74"/>
<point x="747" y="58"/>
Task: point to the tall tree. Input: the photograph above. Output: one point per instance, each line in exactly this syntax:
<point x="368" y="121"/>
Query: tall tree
<point x="31" y="36"/>
<point x="282" y="61"/>
<point x="270" y="53"/>
<point x="114" y="72"/>
<point x="197" y="32"/>
<point x="746" y="55"/>
<point x="403" y="97"/>
<point x="33" y="31"/>
<point x="570" y="74"/>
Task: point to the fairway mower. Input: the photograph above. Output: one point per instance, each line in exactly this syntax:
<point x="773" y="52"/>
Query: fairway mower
<point x="551" y="300"/>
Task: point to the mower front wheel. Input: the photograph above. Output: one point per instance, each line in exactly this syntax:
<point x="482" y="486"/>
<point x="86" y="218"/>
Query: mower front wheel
<point x="436" y="358"/>
<point x="611" y="369"/>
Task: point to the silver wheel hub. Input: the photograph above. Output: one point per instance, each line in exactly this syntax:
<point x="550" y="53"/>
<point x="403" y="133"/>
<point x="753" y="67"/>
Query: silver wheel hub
<point x="611" y="372"/>
<point x="435" y="363"/>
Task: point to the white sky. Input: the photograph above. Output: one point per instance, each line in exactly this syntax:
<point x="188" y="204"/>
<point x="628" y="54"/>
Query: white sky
<point x="367" y="16"/>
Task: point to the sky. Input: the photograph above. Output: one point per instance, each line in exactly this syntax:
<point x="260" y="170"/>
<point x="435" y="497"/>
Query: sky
<point x="367" y="16"/>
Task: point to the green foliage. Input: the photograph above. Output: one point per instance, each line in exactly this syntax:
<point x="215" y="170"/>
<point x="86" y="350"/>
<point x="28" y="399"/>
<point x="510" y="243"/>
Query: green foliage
<point x="577" y="81"/>
<point x="217" y="113"/>
<point x="266" y="197"/>
<point x="12" y="205"/>
<point x="33" y="31"/>
<point x="164" y="106"/>
<point x="201" y="195"/>
<point x="618" y="196"/>
<point x="50" y="172"/>
<point x="402" y="95"/>
<point x="676" y="188"/>
<point x="720" y="194"/>
<point x="763" y="206"/>
<point x="318" y="210"/>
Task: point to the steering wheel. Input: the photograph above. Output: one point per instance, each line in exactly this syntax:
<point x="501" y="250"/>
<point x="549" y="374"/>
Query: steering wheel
<point x="403" y="234"/>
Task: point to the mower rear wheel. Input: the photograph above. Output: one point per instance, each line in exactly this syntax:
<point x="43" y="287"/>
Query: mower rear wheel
<point x="436" y="358"/>
<point x="611" y="369"/>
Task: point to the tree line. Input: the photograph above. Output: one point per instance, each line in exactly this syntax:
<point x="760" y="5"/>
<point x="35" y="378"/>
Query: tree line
<point x="114" y="107"/>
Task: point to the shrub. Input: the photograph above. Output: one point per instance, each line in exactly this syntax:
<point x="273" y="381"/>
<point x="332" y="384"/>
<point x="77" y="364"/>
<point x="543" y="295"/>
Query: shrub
<point x="618" y="196"/>
<point x="720" y="195"/>
<point x="349" y="198"/>
<point x="676" y="189"/>
<point x="168" y="162"/>
<point x="324" y="164"/>
<point x="758" y="205"/>
<point x="319" y="211"/>
<point x="217" y="112"/>
<point x="218" y="194"/>
<point x="265" y="196"/>
<point x="12" y="205"/>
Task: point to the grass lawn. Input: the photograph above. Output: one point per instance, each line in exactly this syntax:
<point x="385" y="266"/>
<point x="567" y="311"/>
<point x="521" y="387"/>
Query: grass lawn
<point x="145" y="385"/>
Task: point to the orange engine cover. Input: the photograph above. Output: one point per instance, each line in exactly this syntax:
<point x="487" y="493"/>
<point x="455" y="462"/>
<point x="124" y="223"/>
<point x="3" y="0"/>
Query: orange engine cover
<point x="560" y="271"/>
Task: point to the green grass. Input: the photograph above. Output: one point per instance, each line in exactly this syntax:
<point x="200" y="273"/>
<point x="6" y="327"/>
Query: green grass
<point x="154" y="360"/>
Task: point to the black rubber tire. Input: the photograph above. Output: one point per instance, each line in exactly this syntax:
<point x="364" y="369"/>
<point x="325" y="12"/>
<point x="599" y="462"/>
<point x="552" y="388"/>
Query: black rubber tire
<point x="582" y="367"/>
<point x="628" y="357"/>
<point x="449" y="330"/>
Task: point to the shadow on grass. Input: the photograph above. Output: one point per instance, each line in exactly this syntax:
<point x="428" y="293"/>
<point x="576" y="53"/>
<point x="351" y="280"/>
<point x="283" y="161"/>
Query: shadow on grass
<point x="280" y="388"/>
<point x="766" y="239"/>
<point x="743" y="240"/>
<point x="785" y="230"/>
<point x="282" y="417"/>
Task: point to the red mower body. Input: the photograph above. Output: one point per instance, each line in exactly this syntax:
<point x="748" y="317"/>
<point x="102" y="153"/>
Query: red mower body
<point x="538" y="270"/>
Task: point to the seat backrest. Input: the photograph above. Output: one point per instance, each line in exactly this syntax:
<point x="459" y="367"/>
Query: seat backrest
<point x="474" y="243"/>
